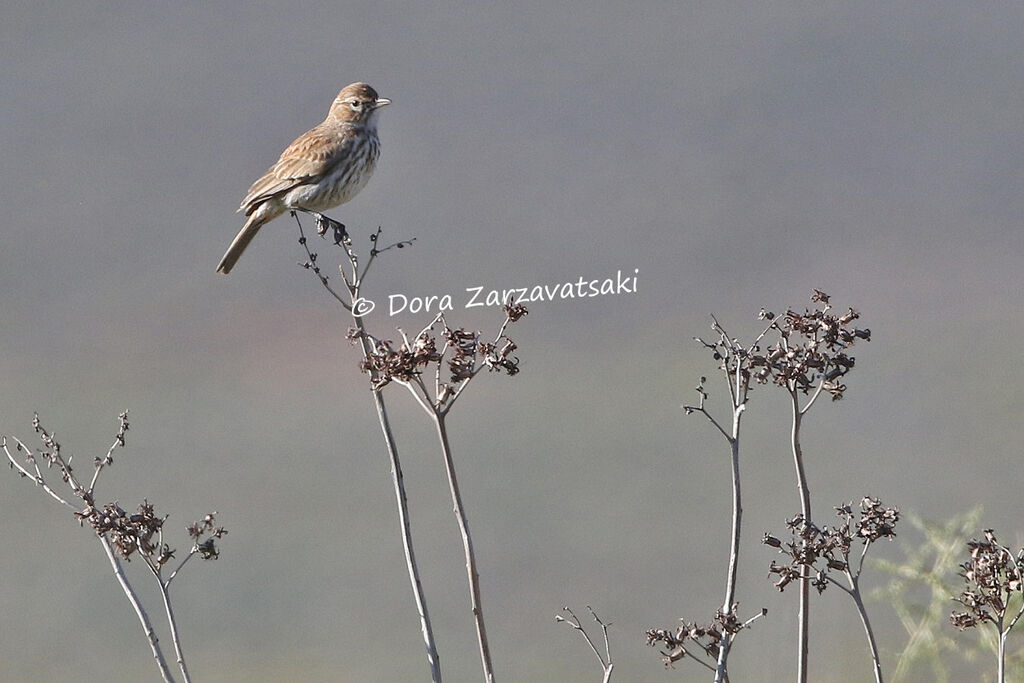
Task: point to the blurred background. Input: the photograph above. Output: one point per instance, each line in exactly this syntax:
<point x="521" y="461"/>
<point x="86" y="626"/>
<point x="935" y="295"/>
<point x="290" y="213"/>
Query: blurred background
<point x="734" y="155"/>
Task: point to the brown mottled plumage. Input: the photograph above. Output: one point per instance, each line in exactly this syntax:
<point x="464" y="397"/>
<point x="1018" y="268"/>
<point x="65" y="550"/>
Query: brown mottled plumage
<point x="324" y="167"/>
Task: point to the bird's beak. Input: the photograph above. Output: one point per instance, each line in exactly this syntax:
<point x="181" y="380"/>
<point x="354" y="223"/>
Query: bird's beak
<point x="381" y="102"/>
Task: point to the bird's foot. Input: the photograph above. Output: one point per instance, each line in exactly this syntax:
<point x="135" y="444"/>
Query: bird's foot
<point x="325" y="223"/>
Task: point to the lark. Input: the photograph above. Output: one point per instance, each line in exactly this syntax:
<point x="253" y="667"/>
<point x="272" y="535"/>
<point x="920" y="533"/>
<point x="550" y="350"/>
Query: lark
<point x="325" y="167"/>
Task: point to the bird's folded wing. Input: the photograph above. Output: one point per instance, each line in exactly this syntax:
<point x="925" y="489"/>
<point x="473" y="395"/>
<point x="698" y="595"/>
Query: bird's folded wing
<point x="309" y="157"/>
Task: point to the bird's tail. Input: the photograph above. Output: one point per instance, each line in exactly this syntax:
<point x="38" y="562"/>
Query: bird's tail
<point x="241" y="241"/>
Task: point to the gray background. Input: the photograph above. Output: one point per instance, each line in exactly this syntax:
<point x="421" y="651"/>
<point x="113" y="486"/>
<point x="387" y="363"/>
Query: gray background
<point x="737" y="154"/>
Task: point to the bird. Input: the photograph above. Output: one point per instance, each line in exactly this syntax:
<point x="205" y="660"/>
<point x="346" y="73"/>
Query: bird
<point x="324" y="167"/>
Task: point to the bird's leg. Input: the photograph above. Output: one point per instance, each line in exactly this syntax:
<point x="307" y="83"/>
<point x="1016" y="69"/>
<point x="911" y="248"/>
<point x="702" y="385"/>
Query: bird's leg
<point x="338" y="229"/>
<point x="340" y="233"/>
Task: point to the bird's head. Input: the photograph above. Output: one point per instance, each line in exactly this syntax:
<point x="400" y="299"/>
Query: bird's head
<point x="357" y="103"/>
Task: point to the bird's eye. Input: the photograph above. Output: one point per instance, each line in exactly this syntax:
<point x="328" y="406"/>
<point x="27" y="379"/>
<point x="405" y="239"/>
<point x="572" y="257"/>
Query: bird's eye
<point x="356" y="104"/>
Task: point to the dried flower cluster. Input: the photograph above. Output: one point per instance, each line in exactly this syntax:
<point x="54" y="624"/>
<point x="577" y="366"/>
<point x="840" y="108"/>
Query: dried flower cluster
<point x="812" y="349"/>
<point x="992" y="575"/>
<point x="806" y="354"/>
<point x="809" y="356"/>
<point x="464" y="352"/>
<point x="704" y="637"/>
<point x="207" y="547"/>
<point x="827" y="549"/>
<point x="129" y="533"/>
<point x="397" y="365"/>
<point x="121" y="534"/>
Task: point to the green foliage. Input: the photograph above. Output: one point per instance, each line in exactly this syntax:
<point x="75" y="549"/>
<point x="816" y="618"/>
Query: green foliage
<point x="922" y="591"/>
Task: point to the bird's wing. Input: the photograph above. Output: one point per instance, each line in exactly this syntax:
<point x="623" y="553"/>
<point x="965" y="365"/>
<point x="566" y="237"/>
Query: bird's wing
<point x="310" y="156"/>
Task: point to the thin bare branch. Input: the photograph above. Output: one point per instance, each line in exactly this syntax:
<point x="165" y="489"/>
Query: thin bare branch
<point x="606" y="659"/>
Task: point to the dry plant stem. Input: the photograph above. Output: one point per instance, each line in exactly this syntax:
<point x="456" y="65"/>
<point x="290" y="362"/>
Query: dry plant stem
<point x="174" y="631"/>
<point x="1002" y="654"/>
<point x="858" y="599"/>
<point x="169" y="610"/>
<point x="1004" y="633"/>
<point x="147" y="626"/>
<point x="709" y="667"/>
<point x="403" y="518"/>
<point x="353" y="284"/>
<point x="316" y="270"/>
<point x="854" y="592"/>
<point x="38" y="476"/>
<point x="739" y="401"/>
<point x="467" y="543"/>
<point x="738" y="394"/>
<point x="1001" y="651"/>
<point x="398" y="481"/>
<point x="87" y="496"/>
<point x="437" y="408"/>
<point x="816" y="357"/>
<point x="805" y="510"/>
<point x="721" y="670"/>
<point x="606" y="659"/>
<point x="436" y="404"/>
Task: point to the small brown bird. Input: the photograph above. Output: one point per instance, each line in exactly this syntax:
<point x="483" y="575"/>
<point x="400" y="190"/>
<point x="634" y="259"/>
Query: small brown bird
<point x="323" y="168"/>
